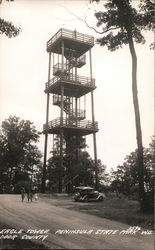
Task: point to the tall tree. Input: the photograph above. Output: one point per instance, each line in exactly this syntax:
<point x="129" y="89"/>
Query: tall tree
<point x="8" y="28"/>
<point x="18" y="152"/>
<point x="122" y="23"/>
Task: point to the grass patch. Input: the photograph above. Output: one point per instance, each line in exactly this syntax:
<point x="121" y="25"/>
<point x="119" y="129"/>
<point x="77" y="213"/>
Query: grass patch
<point x="117" y="209"/>
<point x="126" y="211"/>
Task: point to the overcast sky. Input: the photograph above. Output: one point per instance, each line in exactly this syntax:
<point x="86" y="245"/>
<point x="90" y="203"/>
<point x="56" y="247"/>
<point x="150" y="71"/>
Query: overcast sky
<point x="24" y="72"/>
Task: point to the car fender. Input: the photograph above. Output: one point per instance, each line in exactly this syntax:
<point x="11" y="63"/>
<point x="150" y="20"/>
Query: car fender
<point x="100" y="196"/>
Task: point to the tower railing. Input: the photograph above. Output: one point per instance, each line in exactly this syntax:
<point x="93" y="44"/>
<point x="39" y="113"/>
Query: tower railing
<point x="81" y="61"/>
<point x="73" y="79"/>
<point x="58" y="122"/>
<point x="74" y="35"/>
<point x="57" y="68"/>
<point x="77" y="114"/>
<point x="57" y="99"/>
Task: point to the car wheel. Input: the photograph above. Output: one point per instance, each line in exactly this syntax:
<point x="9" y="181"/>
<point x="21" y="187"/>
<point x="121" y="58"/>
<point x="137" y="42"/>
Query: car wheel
<point x="101" y="198"/>
<point x="86" y="199"/>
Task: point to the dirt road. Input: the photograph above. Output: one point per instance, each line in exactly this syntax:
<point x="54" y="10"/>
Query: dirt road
<point x="67" y="229"/>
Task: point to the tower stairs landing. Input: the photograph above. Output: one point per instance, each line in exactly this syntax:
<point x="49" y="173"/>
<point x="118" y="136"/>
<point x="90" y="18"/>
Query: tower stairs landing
<point x="73" y="113"/>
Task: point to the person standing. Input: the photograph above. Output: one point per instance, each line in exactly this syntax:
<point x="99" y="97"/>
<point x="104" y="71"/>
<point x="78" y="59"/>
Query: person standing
<point x="23" y="193"/>
<point x="35" y="194"/>
<point x="30" y="194"/>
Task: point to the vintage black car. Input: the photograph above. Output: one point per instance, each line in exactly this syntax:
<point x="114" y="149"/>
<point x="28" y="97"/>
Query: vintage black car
<point x="87" y="194"/>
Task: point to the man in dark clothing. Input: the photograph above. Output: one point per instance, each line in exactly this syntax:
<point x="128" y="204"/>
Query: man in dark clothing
<point x="23" y="193"/>
<point x="30" y="194"/>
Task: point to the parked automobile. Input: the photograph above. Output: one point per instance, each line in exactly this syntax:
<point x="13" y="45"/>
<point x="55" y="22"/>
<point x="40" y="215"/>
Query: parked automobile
<point x="87" y="194"/>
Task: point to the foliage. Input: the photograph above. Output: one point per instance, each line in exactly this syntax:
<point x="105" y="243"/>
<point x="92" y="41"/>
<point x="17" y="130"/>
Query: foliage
<point x="86" y="168"/>
<point x="121" y="17"/>
<point x="76" y="163"/>
<point x="82" y="171"/>
<point x="18" y="153"/>
<point x="125" y="178"/>
<point x="8" y="28"/>
<point x="52" y="173"/>
<point x="103" y="176"/>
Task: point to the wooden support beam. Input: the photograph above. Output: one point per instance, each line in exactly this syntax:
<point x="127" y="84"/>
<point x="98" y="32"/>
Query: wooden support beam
<point x="93" y="121"/>
<point x="61" y="131"/>
<point x="46" y="134"/>
<point x="61" y="141"/>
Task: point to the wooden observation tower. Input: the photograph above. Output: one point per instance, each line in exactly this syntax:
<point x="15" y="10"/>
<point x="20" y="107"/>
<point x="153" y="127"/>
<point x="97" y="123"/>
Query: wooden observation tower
<point x="68" y="90"/>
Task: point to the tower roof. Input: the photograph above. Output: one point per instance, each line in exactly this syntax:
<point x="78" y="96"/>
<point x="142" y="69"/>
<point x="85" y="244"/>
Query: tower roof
<point x="79" y="43"/>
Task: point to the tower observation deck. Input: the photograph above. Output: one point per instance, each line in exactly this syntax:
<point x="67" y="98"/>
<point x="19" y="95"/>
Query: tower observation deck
<point x="68" y="90"/>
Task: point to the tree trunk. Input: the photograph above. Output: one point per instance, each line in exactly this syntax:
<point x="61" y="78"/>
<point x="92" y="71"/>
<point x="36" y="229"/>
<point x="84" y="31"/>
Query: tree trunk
<point x="137" y="123"/>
